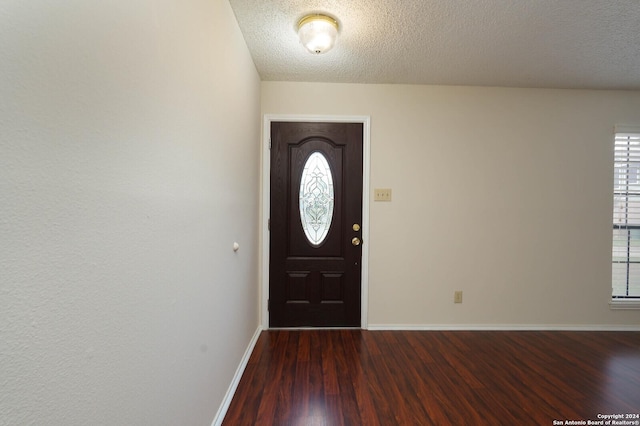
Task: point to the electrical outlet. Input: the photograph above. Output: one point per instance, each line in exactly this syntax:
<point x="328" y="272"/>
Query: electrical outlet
<point x="382" y="194"/>
<point x="457" y="296"/>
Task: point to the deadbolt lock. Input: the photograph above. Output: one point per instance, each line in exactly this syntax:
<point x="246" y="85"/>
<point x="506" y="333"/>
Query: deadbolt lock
<point x="356" y="227"/>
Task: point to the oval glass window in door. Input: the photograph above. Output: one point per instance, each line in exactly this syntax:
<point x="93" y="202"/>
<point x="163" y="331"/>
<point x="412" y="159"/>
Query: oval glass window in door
<point x="316" y="198"/>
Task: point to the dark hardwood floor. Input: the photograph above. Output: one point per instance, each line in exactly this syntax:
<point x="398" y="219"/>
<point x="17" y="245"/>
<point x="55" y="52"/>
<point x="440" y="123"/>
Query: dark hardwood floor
<point x="356" y="377"/>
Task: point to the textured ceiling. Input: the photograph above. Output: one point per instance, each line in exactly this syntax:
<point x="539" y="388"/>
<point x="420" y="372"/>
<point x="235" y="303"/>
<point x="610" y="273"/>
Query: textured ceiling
<point x="513" y="43"/>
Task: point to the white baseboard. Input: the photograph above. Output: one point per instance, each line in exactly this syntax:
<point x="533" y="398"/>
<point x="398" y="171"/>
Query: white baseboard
<point x="504" y="327"/>
<point x="222" y="411"/>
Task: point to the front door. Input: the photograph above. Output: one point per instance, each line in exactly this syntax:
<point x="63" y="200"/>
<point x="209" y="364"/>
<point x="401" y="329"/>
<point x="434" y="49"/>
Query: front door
<point x="315" y="247"/>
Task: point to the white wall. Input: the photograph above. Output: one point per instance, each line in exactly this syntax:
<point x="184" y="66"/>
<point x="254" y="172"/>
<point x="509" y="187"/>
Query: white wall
<point x="129" y="159"/>
<point x="502" y="193"/>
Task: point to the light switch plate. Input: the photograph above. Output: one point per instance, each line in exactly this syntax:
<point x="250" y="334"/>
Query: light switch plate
<point x="382" y="194"/>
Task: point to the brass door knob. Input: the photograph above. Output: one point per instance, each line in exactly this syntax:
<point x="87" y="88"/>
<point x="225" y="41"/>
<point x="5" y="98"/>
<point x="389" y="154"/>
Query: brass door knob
<point x="355" y="241"/>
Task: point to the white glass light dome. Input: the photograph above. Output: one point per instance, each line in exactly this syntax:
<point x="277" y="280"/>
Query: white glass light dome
<point x="318" y="33"/>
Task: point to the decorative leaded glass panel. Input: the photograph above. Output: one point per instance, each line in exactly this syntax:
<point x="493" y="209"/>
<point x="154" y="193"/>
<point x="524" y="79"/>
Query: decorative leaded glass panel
<point x="316" y="198"/>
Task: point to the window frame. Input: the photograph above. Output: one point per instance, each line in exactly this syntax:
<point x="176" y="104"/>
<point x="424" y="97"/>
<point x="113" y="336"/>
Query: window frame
<point x="622" y="190"/>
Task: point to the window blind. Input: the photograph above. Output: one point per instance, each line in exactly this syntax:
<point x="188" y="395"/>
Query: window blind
<point x="626" y="217"/>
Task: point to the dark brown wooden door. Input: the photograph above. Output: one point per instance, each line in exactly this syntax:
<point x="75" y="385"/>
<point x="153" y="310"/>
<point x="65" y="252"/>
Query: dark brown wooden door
<point x="315" y="248"/>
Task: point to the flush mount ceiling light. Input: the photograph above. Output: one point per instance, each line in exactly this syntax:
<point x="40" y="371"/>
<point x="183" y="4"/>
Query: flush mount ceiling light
<point x="318" y="33"/>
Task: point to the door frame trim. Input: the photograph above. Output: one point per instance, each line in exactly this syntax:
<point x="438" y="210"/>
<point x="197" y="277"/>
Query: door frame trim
<point x="266" y="204"/>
